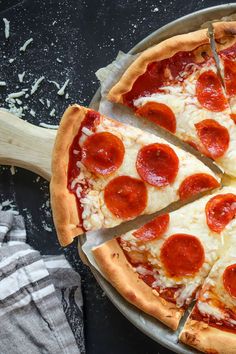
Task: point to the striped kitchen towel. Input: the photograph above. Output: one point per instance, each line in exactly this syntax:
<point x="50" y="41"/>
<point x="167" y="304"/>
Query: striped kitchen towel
<point x="34" y="291"/>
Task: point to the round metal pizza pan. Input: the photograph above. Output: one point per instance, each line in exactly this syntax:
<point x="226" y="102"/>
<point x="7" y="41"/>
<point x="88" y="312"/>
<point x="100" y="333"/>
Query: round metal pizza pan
<point x="150" y="326"/>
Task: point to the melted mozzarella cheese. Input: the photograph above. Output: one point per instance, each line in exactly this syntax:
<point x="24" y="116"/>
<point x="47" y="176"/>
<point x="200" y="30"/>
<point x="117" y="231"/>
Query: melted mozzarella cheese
<point x="183" y="102"/>
<point x="96" y="214"/>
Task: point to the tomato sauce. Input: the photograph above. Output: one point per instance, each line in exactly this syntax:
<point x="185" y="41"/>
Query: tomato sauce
<point x="158" y="74"/>
<point x="90" y="121"/>
<point x="223" y="325"/>
<point x="230" y="52"/>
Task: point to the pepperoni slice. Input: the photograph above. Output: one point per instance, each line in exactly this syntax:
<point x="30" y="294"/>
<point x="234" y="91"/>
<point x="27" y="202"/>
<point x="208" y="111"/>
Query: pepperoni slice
<point x="229" y="279"/>
<point x="125" y="197"/>
<point x="103" y="153"/>
<point x="220" y="210"/>
<point x="214" y="137"/>
<point x="209" y="92"/>
<point x="182" y="255"/>
<point x="230" y="76"/>
<point x="157" y="164"/>
<point x="160" y="114"/>
<point x="153" y="229"/>
<point x="195" y="184"/>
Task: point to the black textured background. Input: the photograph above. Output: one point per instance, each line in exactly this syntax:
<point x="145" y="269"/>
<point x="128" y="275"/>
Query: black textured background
<point x="85" y="35"/>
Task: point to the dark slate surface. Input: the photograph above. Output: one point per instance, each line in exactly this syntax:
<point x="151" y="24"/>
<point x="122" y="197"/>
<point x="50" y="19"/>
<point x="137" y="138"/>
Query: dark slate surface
<point x="85" y="35"/>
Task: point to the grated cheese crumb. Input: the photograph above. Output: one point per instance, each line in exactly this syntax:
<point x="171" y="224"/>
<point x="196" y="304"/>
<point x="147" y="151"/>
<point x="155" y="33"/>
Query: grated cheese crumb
<point x="11" y="60"/>
<point x="18" y="101"/>
<point x="15" y="110"/>
<point x="13" y="171"/>
<point x="52" y="113"/>
<point x="47" y="228"/>
<point x="7" y="28"/>
<point x="67" y="96"/>
<point x="49" y="126"/>
<point x="32" y="112"/>
<point x="41" y="101"/>
<point x="7" y="203"/>
<point x="25" y="45"/>
<point x="35" y="86"/>
<point x="21" y="76"/>
<point x="48" y="103"/>
<point x="3" y="83"/>
<point x="59" y="60"/>
<point x="15" y="94"/>
<point x="61" y="92"/>
<point x="54" y="83"/>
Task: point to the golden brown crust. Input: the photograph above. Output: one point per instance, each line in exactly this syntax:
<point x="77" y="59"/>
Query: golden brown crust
<point x="64" y="207"/>
<point x="224" y="34"/>
<point x="208" y="339"/>
<point x="118" y="271"/>
<point x="163" y="50"/>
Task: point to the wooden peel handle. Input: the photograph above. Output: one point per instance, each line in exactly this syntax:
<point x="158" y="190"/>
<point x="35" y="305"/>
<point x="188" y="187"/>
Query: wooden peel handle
<point x="25" y="145"/>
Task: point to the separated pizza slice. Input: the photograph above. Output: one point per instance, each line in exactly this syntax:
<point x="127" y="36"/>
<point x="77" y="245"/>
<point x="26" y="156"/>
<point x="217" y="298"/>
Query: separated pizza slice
<point x="211" y="326"/>
<point x="225" y="38"/>
<point x="105" y="172"/>
<point x="160" y="267"/>
<point x="175" y="85"/>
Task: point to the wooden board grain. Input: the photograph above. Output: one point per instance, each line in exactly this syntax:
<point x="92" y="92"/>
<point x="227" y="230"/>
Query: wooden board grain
<point x="25" y="145"/>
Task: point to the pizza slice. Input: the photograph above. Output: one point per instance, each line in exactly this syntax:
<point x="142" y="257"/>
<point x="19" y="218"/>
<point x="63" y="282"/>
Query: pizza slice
<point x="175" y="85"/>
<point x="105" y="172"/>
<point x="160" y="267"/>
<point x="225" y="38"/>
<point x="211" y="326"/>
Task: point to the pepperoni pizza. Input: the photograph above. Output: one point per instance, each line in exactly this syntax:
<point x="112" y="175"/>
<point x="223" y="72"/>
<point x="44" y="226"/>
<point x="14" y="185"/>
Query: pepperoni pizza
<point x="181" y="91"/>
<point x="105" y="172"/>
<point x="161" y="266"/>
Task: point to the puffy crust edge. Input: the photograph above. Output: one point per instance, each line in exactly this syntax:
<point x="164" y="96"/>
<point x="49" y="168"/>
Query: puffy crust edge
<point x="208" y="339"/>
<point x="119" y="272"/>
<point x="163" y="50"/>
<point x="224" y="34"/>
<point x="64" y="204"/>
